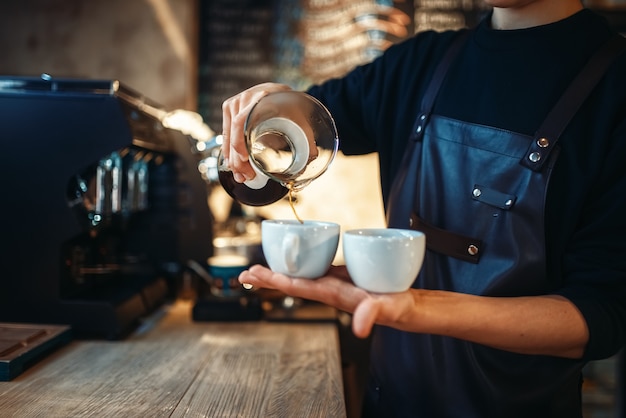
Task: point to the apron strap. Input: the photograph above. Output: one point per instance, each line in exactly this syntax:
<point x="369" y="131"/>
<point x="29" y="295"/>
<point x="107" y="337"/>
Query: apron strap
<point x="448" y="243"/>
<point x="562" y="113"/>
<point x="400" y="200"/>
<point x="428" y="101"/>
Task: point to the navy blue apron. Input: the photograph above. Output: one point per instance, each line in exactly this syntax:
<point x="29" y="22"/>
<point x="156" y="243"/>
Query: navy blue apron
<point x="479" y="195"/>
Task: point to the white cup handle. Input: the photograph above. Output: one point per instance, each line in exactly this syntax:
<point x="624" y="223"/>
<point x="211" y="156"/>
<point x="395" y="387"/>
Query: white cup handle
<point x="291" y="244"/>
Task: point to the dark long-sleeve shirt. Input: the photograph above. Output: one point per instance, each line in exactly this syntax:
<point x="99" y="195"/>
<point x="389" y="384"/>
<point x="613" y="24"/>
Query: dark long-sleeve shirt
<point x="511" y="79"/>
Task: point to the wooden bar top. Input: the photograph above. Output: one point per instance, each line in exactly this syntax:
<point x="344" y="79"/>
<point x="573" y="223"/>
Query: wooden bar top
<point x="174" y="367"/>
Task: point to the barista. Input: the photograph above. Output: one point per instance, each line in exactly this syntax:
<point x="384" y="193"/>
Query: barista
<point x="524" y="281"/>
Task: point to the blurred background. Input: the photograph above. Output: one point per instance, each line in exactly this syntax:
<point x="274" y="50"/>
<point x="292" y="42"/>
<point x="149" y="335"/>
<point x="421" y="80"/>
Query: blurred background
<point x="193" y="54"/>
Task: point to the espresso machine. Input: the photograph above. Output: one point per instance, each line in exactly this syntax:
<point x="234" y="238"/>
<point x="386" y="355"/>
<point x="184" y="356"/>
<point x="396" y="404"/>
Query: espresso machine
<point x="102" y="208"/>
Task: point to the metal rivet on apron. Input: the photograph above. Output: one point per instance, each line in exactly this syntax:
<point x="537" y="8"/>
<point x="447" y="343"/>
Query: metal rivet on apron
<point x="420" y="127"/>
<point x="472" y="250"/>
<point x="543" y="142"/>
<point x="508" y="202"/>
<point x="476" y="192"/>
<point x="534" y="157"/>
<point x="410" y="221"/>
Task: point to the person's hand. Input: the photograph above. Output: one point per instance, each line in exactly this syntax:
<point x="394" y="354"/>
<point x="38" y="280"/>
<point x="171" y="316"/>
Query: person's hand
<point x="337" y="290"/>
<point x="540" y="325"/>
<point x="234" y="113"/>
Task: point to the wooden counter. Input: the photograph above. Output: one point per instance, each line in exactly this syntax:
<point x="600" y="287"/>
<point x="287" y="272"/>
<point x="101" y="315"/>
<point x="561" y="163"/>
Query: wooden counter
<point x="174" y="367"/>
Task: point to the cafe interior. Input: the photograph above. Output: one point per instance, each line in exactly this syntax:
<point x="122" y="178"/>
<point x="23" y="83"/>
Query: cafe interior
<point x="116" y="221"/>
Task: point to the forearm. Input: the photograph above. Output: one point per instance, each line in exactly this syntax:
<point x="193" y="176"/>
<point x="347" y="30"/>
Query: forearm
<point x="543" y="325"/>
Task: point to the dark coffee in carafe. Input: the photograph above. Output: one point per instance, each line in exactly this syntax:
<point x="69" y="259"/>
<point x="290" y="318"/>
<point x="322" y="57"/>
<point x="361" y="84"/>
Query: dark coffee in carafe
<point x="270" y="193"/>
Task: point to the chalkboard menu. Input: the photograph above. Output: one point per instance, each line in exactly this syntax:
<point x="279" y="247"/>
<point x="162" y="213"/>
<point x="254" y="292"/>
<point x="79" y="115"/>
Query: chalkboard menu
<point x="443" y="15"/>
<point x="235" y="51"/>
<point x="300" y="42"/>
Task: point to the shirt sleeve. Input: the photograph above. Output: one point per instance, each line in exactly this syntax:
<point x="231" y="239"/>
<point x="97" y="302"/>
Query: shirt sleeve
<point x="594" y="260"/>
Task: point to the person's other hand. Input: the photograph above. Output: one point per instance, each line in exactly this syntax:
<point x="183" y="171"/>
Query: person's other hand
<point x="234" y="113"/>
<point x="337" y="290"/>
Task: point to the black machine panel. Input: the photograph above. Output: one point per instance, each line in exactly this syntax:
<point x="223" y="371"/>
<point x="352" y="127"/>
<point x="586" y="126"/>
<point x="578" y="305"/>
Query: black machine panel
<point x="102" y="206"/>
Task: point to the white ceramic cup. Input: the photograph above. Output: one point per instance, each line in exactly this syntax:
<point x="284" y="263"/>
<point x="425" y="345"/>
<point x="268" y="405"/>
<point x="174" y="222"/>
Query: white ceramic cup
<point x="383" y="260"/>
<point x="299" y="249"/>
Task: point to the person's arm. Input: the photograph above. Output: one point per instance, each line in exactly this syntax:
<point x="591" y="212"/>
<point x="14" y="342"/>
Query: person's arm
<point x="541" y="325"/>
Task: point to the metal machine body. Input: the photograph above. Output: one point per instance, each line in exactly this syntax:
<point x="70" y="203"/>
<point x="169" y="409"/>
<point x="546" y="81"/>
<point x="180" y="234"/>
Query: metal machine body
<point x="102" y="206"/>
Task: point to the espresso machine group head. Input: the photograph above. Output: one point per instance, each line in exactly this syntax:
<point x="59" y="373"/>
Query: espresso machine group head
<point x="103" y="205"/>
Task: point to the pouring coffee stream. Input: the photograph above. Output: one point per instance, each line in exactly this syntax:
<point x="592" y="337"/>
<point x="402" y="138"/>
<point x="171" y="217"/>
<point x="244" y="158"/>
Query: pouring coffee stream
<point x="291" y="204"/>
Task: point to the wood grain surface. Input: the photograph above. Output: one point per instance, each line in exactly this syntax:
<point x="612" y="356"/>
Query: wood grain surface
<point x="174" y="367"/>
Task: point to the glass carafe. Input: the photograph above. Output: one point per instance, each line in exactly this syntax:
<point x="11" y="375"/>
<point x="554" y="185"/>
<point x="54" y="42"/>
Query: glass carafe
<point x="291" y="140"/>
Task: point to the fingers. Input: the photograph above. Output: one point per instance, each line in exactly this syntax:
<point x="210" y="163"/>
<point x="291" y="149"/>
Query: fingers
<point x="227" y="112"/>
<point x="330" y="290"/>
<point x="235" y="110"/>
<point x="259" y="276"/>
<point x="337" y="291"/>
<point x="365" y="316"/>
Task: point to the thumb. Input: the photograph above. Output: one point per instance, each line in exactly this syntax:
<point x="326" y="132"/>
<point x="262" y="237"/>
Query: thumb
<point x="364" y="317"/>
